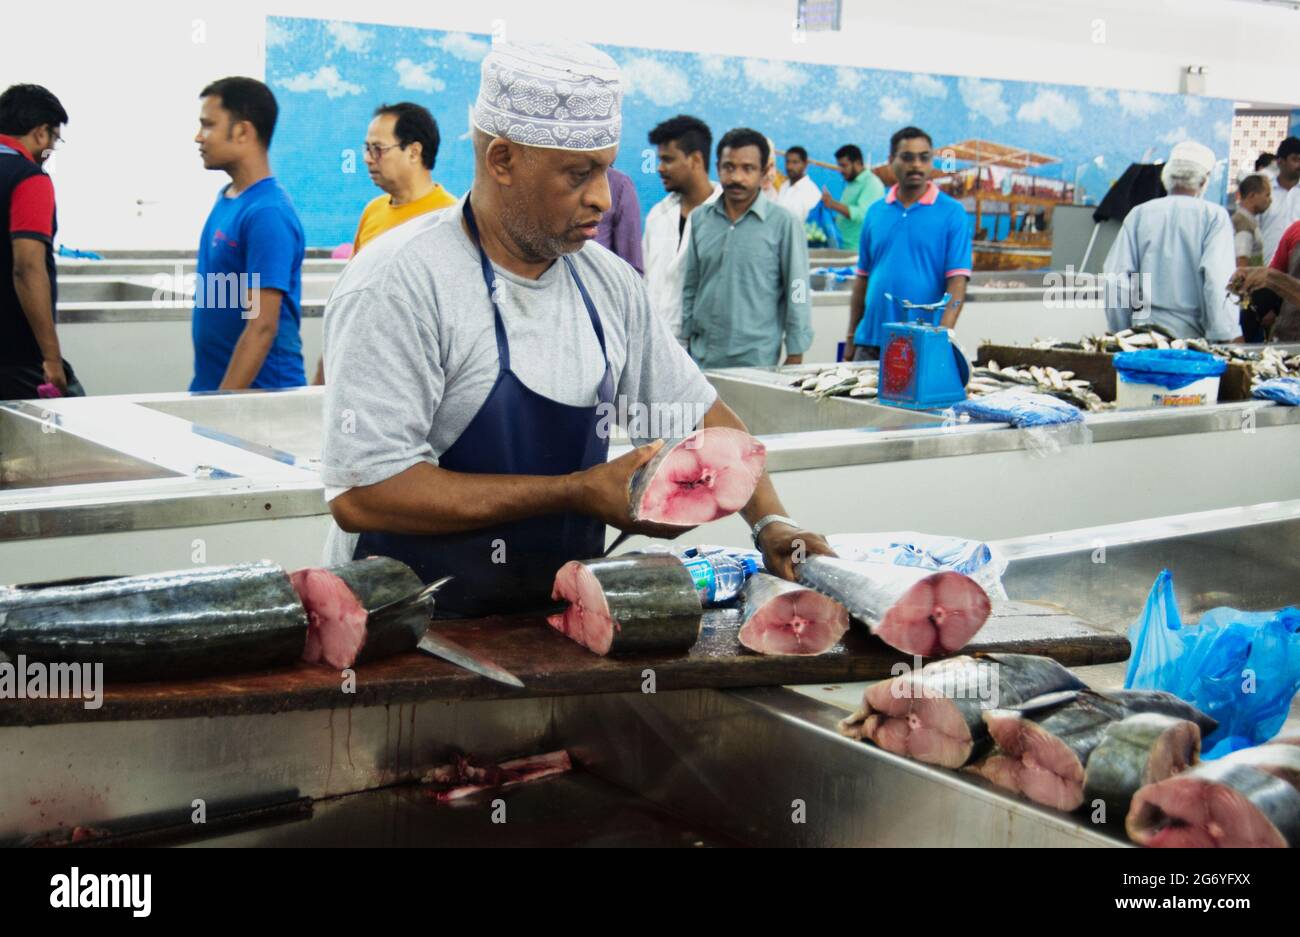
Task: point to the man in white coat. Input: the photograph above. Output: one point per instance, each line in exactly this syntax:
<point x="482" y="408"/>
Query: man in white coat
<point x="684" y="144"/>
<point x="1174" y="255"/>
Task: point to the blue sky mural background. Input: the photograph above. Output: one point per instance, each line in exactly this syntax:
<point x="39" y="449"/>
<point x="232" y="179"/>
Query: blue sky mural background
<point x="330" y="75"/>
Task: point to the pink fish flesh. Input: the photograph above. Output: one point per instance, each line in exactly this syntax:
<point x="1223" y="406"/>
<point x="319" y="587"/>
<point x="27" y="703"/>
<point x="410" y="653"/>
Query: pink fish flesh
<point x="707" y="475"/>
<point x="781" y="617"/>
<point x="918" y="611"/>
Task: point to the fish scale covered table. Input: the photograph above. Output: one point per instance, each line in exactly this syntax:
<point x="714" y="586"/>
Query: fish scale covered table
<point x="551" y="665"/>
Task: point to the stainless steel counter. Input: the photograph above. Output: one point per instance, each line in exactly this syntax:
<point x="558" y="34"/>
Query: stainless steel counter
<point x="102" y="465"/>
<point x="148" y="462"/>
<point x="759" y="767"/>
<point x="89" y="312"/>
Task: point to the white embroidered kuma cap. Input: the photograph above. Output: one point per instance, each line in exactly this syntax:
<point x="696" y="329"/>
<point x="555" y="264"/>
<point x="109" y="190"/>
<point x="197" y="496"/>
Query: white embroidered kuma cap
<point x="560" y="95"/>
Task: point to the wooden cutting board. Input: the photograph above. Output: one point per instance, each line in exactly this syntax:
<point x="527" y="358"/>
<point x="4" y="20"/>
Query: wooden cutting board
<point x="549" y="664"/>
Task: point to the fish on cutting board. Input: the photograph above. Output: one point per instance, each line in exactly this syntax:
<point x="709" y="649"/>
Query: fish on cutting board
<point x="169" y="625"/>
<point x="919" y="611"/>
<point x="781" y="617"/>
<point x="707" y="475"/>
<point x="216" y="619"/>
<point x="339" y="600"/>
<point x="1136" y="751"/>
<point x="1248" y="798"/>
<point x="935" y="715"/>
<point x="1043" y="744"/>
<point x="632" y="603"/>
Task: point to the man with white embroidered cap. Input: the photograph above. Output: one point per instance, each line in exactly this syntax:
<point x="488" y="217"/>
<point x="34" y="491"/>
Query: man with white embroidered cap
<point x="477" y="354"/>
<point x="1179" y="249"/>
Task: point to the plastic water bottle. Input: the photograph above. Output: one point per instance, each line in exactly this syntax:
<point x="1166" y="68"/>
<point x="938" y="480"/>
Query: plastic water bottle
<point x="719" y="577"/>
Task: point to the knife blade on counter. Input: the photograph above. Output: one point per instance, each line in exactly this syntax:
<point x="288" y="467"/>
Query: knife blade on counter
<point x="445" y="648"/>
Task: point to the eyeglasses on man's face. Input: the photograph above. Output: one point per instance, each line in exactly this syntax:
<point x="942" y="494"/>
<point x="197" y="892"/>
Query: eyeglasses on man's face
<point x="375" y="150"/>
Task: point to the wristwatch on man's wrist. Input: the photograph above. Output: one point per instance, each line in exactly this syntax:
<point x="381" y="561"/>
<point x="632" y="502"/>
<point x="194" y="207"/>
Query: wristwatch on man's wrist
<point x="767" y="519"/>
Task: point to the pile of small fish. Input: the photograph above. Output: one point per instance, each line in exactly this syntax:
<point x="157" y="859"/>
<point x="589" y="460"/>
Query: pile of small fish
<point x="1268" y="363"/>
<point x="1063" y="384"/>
<point x="1263" y="365"/>
<point x="1144" y="336"/>
<point x="841" y="380"/>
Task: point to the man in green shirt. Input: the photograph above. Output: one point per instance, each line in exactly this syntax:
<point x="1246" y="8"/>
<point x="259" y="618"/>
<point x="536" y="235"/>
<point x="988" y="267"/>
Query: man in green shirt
<point x="746" y="281"/>
<point x="861" y="189"/>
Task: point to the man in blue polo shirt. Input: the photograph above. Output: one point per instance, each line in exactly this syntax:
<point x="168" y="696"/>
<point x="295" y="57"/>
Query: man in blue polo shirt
<point x="915" y="245"/>
<point x="249" y="286"/>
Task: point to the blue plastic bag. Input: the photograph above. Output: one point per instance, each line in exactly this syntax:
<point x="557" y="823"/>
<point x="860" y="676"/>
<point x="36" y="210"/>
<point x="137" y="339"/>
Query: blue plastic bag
<point x="1282" y="389"/>
<point x="824" y="218"/>
<point x="1170" y="368"/>
<point x="1241" y="668"/>
<point x="1020" y="408"/>
<point x="78" y="253"/>
<point x="835" y="273"/>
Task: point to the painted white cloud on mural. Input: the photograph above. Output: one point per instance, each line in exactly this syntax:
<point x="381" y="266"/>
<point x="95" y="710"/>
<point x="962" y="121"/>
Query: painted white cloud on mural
<point x="1175" y="136"/>
<point x="984" y="99"/>
<point x="416" y="77"/>
<point x="1194" y="106"/>
<point x="276" y="34"/>
<point x="1139" y="103"/>
<point x="350" y="37"/>
<point x="831" y="114"/>
<point x="656" y="81"/>
<point x="1099" y="97"/>
<point x="461" y="45"/>
<point x="326" y="78"/>
<point x="1222" y="130"/>
<point x="1052" y="108"/>
<point x="849" y="79"/>
<point x="895" y="110"/>
<point x="772" y="74"/>
<point x="715" y="66"/>
<point x="929" y="86"/>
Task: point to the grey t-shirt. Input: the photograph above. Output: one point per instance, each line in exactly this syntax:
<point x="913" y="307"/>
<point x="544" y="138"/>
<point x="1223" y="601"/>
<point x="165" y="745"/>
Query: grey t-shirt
<point x="411" y="355"/>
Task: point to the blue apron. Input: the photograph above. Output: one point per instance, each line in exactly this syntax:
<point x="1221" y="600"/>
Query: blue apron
<point x="511" y="567"/>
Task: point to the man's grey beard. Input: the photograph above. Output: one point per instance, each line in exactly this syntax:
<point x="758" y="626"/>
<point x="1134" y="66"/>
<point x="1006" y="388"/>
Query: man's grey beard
<point x="534" y="244"/>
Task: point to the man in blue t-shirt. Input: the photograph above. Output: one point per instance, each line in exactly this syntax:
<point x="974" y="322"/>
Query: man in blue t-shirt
<point x="915" y="245"/>
<point x="248" y="291"/>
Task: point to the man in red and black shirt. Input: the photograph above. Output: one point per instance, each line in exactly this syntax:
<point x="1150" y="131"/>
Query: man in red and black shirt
<point x="1282" y="277"/>
<point x="31" y="119"/>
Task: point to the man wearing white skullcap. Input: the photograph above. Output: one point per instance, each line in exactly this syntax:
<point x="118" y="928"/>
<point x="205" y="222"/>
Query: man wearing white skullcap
<point x="1170" y="263"/>
<point x="480" y="356"/>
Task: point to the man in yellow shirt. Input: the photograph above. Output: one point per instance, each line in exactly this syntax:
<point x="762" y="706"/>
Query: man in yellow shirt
<point x="401" y="148"/>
